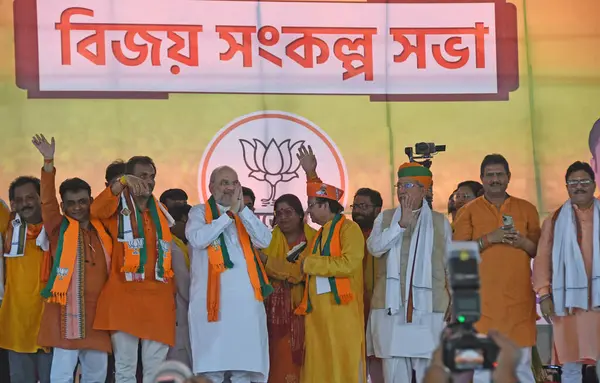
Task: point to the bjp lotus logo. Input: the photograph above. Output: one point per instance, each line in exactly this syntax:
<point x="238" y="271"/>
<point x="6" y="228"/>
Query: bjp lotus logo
<point x="272" y="163"/>
<point x="267" y="162"/>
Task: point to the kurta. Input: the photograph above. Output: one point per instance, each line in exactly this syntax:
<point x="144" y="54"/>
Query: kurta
<point x="95" y="275"/>
<point x="507" y="297"/>
<point x="286" y="330"/>
<point x="22" y="306"/>
<point x="576" y="337"/>
<point x="143" y="309"/>
<point x="416" y="334"/>
<point x="238" y="341"/>
<point x="369" y="269"/>
<point x="335" y="334"/>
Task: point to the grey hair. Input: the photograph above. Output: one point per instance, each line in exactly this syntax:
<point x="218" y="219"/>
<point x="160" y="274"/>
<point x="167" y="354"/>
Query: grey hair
<point x="218" y="170"/>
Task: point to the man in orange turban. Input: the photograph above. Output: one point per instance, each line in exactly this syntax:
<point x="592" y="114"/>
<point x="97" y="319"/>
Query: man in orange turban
<point x="410" y="298"/>
<point x="333" y="293"/>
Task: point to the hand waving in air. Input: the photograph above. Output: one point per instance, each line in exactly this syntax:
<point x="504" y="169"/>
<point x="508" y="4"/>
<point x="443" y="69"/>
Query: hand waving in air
<point x="45" y="148"/>
<point x="307" y="159"/>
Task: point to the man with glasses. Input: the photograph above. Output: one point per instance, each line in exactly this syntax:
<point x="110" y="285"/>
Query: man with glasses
<point x="507" y="230"/>
<point x="566" y="274"/>
<point x="365" y="208"/>
<point x="410" y="299"/>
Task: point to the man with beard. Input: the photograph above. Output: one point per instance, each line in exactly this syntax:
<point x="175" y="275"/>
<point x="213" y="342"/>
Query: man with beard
<point x="507" y="230"/>
<point x="365" y="208"/>
<point x="25" y="243"/>
<point x="81" y="250"/>
<point x="228" y="323"/>
<point x="137" y="303"/>
<point x="566" y="275"/>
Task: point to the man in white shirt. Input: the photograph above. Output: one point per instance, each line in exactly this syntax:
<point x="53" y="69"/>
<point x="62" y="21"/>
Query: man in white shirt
<point x="410" y="297"/>
<point x="227" y="319"/>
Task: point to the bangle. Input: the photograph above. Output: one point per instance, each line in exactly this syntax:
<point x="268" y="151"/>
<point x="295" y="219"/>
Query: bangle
<point x="122" y="180"/>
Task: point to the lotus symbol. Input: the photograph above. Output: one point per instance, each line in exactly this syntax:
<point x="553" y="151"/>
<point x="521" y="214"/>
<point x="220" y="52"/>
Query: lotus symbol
<point x="272" y="163"/>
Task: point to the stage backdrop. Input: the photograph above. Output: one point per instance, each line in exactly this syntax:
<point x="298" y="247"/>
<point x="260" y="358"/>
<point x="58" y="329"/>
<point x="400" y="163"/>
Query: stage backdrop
<point x="198" y="84"/>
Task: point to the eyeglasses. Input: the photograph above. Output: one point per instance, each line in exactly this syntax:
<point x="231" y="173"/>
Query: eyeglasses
<point x="407" y="185"/>
<point x="584" y="183"/>
<point x="464" y="195"/>
<point x="361" y="206"/>
<point x="311" y="205"/>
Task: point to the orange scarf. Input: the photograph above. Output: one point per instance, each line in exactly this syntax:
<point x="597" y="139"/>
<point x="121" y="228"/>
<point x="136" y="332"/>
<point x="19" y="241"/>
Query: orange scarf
<point x="65" y="257"/>
<point x="131" y="234"/>
<point x="340" y="286"/>
<point x="33" y="231"/>
<point x="219" y="261"/>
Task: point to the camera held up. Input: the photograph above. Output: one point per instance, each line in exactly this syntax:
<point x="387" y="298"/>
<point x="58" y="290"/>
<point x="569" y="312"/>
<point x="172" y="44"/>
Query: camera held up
<point x="464" y="349"/>
<point x="423" y="152"/>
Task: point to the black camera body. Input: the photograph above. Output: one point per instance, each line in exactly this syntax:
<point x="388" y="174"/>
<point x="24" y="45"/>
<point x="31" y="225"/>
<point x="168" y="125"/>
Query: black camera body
<point x="423" y="152"/>
<point x="464" y="349"/>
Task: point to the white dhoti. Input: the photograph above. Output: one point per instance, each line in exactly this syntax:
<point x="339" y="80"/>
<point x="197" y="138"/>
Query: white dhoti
<point x="403" y="347"/>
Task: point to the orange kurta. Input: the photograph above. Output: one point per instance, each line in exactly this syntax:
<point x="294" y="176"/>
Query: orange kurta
<point x="507" y="297"/>
<point x="22" y="307"/>
<point x="95" y="276"/>
<point x="576" y="337"/>
<point x="143" y="309"/>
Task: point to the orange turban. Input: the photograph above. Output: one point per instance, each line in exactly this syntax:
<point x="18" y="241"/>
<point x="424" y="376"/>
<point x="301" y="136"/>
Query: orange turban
<point x="417" y="172"/>
<point x="322" y="190"/>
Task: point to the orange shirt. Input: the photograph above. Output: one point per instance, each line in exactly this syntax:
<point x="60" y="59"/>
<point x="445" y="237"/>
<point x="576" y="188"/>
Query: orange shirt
<point x="507" y="297"/>
<point x="143" y="309"/>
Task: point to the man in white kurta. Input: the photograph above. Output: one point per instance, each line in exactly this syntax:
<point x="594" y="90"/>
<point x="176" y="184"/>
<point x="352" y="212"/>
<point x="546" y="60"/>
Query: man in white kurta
<point x="410" y="297"/>
<point x="237" y="341"/>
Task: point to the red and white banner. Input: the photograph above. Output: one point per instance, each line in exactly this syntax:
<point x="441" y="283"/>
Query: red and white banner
<point x="184" y="46"/>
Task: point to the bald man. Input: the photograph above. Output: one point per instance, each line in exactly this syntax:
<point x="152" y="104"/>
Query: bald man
<point x="228" y="328"/>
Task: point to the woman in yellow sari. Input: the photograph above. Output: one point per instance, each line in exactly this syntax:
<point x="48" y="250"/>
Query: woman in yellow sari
<point x="286" y="330"/>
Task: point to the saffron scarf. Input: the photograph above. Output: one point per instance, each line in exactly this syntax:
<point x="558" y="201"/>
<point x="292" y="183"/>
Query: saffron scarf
<point x="341" y="287"/>
<point x="66" y="282"/>
<point x="219" y="261"/>
<point x="18" y="232"/>
<point x="131" y="233"/>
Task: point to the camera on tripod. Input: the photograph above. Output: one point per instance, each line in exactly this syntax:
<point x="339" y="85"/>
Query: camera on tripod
<point x="423" y="152"/>
<point x="464" y="349"/>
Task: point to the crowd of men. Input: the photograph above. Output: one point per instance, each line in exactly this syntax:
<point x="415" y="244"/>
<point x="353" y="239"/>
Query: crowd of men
<point x="116" y="284"/>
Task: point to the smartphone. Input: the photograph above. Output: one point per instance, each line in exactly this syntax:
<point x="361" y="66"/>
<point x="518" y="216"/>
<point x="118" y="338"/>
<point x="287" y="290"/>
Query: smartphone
<point x="507" y="222"/>
<point x="294" y="254"/>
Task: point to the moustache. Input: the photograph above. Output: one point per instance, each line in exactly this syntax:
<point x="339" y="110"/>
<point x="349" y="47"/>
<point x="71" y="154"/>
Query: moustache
<point x="495" y="184"/>
<point x="579" y="191"/>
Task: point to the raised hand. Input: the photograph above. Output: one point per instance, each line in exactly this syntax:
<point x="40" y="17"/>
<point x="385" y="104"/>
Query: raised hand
<point x="307" y="159"/>
<point x="237" y="202"/>
<point x="137" y="186"/>
<point x="45" y="148"/>
<point x="407" y="203"/>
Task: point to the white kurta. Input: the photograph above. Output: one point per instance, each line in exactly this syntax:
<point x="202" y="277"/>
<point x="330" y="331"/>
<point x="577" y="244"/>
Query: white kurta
<point x="238" y="341"/>
<point x="389" y="336"/>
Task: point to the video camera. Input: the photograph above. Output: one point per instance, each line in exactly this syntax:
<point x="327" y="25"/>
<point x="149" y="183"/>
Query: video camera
<point x="464" y="349"/>
<point x="424" y="151"/>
